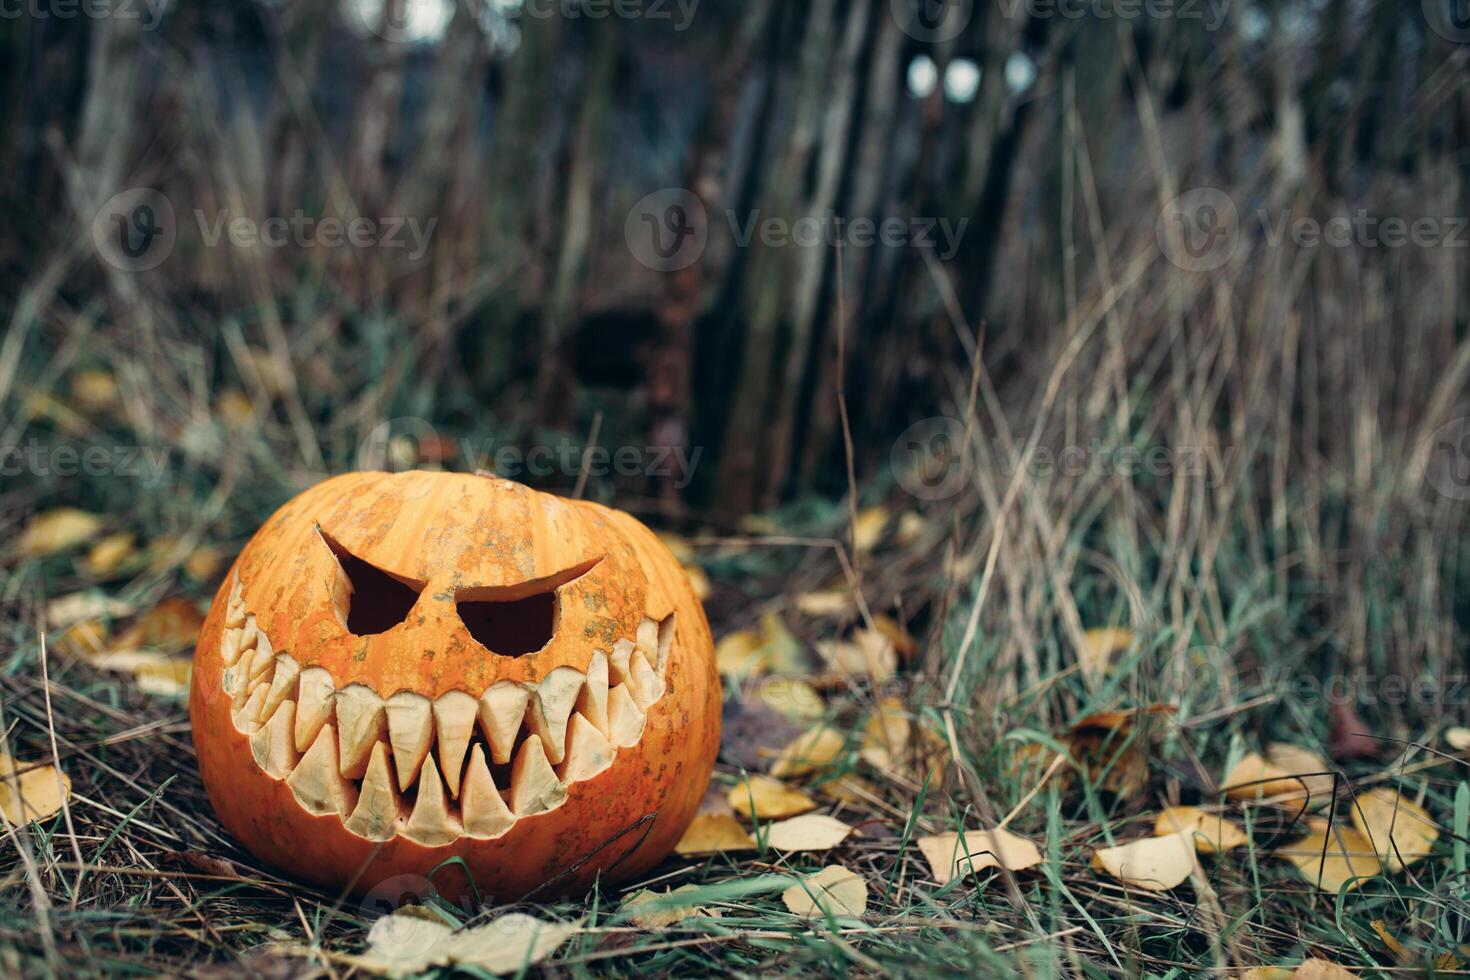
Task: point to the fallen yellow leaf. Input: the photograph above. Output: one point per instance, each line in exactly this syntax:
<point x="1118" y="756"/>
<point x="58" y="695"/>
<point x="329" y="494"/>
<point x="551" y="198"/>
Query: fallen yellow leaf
<point x="834" y="891"/>
<point x="948" y="856"/>
<point x="1211" y="832"/>
<point x="1095" y="655"/>
<point x="109" y="554"/>
<point x="1315" y="969"/>
<point x="1153" y="863"/>
<point x="1458" y="739"/>
<point x="657" y="910"/>
<point x="1298" y="760"/>
<point x="867" y="530"/>
<point x="1333" y="858"/>
<point x="869" y="654"/>
<point x="831" y="602"/>
<point x="56" y="531"/>
<point x="792" y="697"/>
<point x="1254" y="778"/>
<point x="1400" y="829"/>
<point x="810" y="832"/>
<point x="768" y="799"/>
<point x="714" y="833"/>
<point x="31" y="793"/>
<point x="813" y="750"/>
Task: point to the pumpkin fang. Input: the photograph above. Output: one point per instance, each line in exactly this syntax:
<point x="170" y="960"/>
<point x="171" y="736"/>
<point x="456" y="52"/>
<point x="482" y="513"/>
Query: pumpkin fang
<point x="404" y="765"/>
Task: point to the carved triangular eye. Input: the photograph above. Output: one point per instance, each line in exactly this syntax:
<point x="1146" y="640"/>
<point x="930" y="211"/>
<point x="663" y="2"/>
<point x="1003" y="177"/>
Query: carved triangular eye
<point x="368" y="599"/>
<point x="516" y="619"/>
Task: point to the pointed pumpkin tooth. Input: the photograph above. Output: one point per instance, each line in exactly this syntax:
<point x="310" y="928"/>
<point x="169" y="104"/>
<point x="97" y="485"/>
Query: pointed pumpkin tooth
<point x="454" y="724"/>
<point x="410" y="729"/>
<point x="263" y="657"/>
<point x="361" y="721"/>
<point x="647" y="641"/>
<point x="501" y="709"/>
<point x="620" y="669"/>
<point x="316" y="782"/>
<point x="248" y="714"/>
<point x="229" y="646"/>
<point x="624" y="717"/>
<point x="647" y="686"/>
<point x="533" y="783"/>
<point x="379" y="807"/>
<point x="248" y="633"/>
<point x="592" y="701"/>
<point x="665" y="643"/>
<point x="283" y="683"/>
<point x="274" y="746"/>
<point x="481" y="806"/>
<point x="555" y="699"/>
<point x="234" y="680"/>
<point x="588" y="751"/>
<point x="234" y="614"/>
<point x="431" y="823"/>
<point x="313" y="705"/>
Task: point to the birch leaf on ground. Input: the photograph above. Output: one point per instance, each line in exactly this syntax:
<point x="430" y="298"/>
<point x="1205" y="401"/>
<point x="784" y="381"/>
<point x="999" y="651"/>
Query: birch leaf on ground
<point x="401" y="945"/>
<point x="810" y="832"/>
<point x="108" y="555"/>
<point x="1095" y="655"/>
<point x="792" y="697"/>
<point x="1332" y="857"/>
<point x="56" y="531"/>
<point x="768" y="799"/>
<point x="1315" y="969"/>
<point x="1298" y="760"/>
<point x="981" y="849"/>
<point x="1153" y="863"/>
<point x="1211" y="832"/>
<point x="1458" y="739"/>
<point x="658" y="910"/>
<point x="1401" y="830"/>
<point x="31" y="793"/>
<point x="714" y="833"/>
<point x="1254" y="778"/>
<point x="812" y="750"/>
<point x="508" y="944"/>
<point x="834" y="891"/>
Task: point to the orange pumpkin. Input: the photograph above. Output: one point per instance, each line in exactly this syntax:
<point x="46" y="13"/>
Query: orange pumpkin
<point x="402" y="670"/>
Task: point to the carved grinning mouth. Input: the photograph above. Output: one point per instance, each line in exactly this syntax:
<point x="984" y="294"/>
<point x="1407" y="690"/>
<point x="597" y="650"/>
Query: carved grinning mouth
<point x="463" y="765"/>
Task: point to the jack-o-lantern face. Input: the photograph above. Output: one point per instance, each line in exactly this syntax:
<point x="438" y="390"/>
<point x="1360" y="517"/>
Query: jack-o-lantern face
<point x="404" y="669"/>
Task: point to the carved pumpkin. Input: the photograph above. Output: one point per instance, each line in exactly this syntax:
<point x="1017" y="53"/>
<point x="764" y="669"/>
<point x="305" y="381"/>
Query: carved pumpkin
<point x="401" y="670"/>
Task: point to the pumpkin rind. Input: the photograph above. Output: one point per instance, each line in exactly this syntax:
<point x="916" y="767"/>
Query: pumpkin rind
<point x="453" y="533"/>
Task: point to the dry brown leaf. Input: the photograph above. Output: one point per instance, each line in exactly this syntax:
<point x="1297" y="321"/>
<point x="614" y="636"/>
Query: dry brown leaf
<point x="1458" y="739"/>
<point x="56" y="531"/>
<point x="1106" y="748"/>
<point x="31" y="792"/>
<point x="1254" y="778"/>
<point x="1298" y="760"/>
<point x="768" y="799"/>
<point x="94" y="391"/>
<point x="203" y="562"/>
<point x="1389" y="940"/>
<point x="894" y="745"/>
<point x="1382" y="810"/>
<point x="867" y="530"/>
<point x="1349" y="857"/>
<point x="981" y="849"/>
<point x="656" y="910"/>
<point x="1153" y="863"/>
<point x="714" y="833"/>
<point x="809" y="832"/>
<point x="849" y="789"/>
<point x="813" y="750"/>
<point x="165" y="677"/>
<point x="111" y="553"/>
<point x="903" y="641"/>
<point x="1211" y="832"/>
<point x="1095" y="655"/>
<point x="834" y="891"/>
<point x="1266" y="973"/>
<point x="172" y="626"/>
